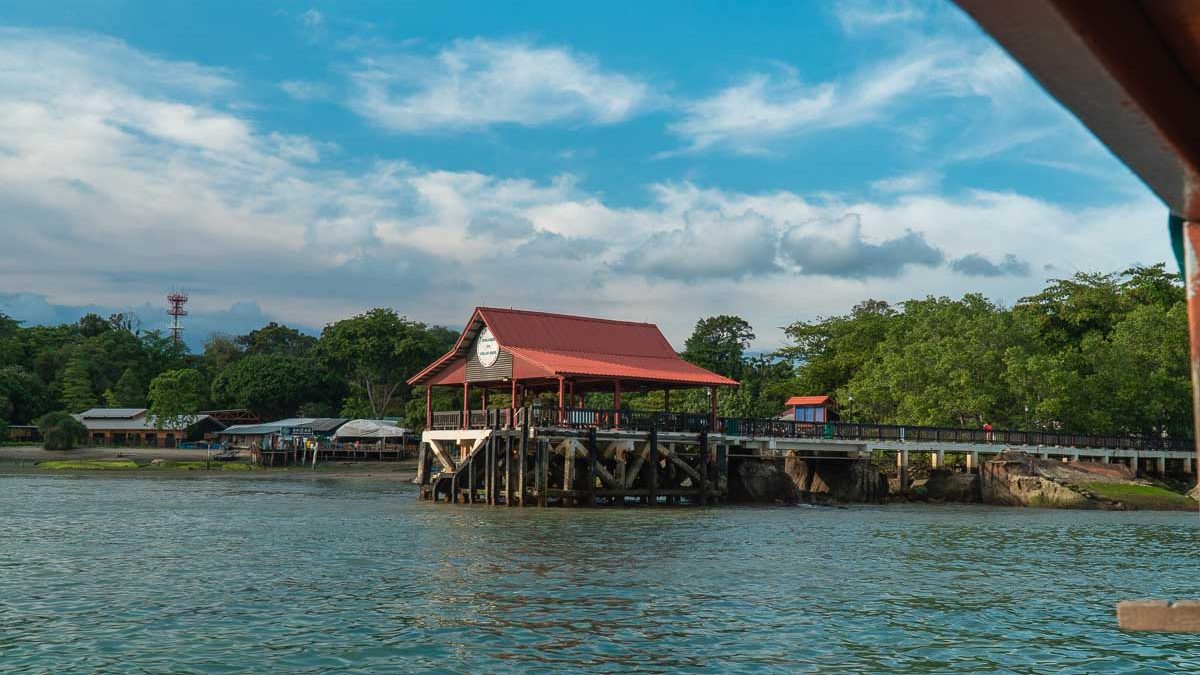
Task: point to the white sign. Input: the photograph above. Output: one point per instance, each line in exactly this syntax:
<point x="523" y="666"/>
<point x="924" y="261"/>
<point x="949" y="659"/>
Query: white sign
<point x="486" y="349"/>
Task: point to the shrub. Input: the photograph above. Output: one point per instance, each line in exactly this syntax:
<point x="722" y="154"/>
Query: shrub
<point x="61" y="431"/>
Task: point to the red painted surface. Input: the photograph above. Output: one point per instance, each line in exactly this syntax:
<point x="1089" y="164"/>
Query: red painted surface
<point x="808" y="400"/>
<point x="556" y="345"/>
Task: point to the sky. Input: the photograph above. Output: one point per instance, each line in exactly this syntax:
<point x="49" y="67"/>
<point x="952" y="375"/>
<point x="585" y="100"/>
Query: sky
<point x="305" y="161"/>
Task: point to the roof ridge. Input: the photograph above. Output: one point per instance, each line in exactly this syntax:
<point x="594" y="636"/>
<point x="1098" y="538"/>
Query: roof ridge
<point x="674" y="355"/>
<point x="558" y="315"/>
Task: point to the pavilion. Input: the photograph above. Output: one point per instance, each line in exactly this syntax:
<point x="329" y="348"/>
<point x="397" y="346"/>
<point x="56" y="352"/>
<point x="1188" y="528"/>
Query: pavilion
<point x="526" y="354"/>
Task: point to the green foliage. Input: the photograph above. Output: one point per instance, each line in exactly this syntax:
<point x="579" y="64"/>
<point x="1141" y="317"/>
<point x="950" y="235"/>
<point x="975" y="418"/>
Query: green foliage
<point x="719" y="343"/>
<point x="23" y="395"/>
<point x="275" y="338"/>
<point x="379" y="351"/>
<point x="1141" y="496"/>
<point x="175" y="398"/>
<point x="128" y="392"/>
<point x="76" y="386"/>
<point x="276" y="386"/>
<point x="61" y="431"/>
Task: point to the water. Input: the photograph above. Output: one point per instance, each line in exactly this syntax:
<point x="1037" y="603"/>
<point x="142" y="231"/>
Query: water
<point x="235" y="575"/>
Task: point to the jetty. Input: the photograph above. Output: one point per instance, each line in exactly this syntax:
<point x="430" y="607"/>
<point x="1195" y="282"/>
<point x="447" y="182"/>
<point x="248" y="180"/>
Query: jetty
<point x="543" y="447"/>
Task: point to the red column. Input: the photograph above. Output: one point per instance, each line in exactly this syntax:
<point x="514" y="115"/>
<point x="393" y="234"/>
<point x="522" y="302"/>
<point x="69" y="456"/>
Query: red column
<point x="428" y="406"/>
<point x="466" y="406"/>
<point x="1191" y="249"/>
<point x="562" y="398"/>
<point x="616" y="403"/>
<point x="512" y="404"/>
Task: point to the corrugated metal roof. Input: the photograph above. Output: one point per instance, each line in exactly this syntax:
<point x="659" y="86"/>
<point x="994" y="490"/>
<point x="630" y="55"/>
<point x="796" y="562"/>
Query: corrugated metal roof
<point x="317" y="424"/>
<point x="576" y="345"/>
<point x="138" y="423"/>
<point x="112" y="413"/>
<point x="808" y="400"/>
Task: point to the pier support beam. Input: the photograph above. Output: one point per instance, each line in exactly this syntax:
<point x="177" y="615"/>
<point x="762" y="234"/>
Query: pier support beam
<point x="1187" y="465"/>
<point x="902" y="468"/>
<point x="1161" y="465"/>
<point x="972" y="461"/>
<point x="652" y="451"/>
<point x="939" y="459"/>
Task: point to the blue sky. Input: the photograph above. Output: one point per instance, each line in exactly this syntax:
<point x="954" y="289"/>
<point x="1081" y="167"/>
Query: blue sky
<point x="657" y="161"/>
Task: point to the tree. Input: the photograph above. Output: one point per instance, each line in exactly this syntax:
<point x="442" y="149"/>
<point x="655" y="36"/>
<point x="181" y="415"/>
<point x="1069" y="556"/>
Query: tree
<point x="61" y="431"/>
<point x="719" y="343"/>
<point x="176" y="397"/>
<point x="128" y="392"/>
<point x="77" y="394"/>
<point x="829" y="352"/>
<point x="275" y="338"/>
<point x="26" y="396"/>
<point x="380" y="350"/>
<point x="276" y="386"/>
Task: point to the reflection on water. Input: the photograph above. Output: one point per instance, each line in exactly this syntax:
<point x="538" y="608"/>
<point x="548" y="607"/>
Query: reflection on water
<point x="236" y="575"/>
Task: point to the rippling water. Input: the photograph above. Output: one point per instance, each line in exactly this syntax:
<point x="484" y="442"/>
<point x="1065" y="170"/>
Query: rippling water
<point x="225" y="575"/>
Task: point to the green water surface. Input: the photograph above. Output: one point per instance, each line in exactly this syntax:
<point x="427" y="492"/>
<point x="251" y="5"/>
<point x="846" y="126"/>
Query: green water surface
<point x="104" y="574"/>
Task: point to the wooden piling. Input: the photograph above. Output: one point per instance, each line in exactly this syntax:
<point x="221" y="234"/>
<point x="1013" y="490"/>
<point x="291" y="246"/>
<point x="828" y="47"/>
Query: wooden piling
<point x="508" y="482"/>
<point x="543" y="477"/>
<point x="702" y="468"/>
<point x="524" y="452"/>
<point x="471" y="479"/>
<point x="593" y="466"/>
<point x="652" y="495"/>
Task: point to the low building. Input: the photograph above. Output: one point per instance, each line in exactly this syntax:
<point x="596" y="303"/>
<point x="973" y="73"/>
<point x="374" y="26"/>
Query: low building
<point x="810" y="409"/>
<point x="278" y="434"/>
<point x="133" y="426"/>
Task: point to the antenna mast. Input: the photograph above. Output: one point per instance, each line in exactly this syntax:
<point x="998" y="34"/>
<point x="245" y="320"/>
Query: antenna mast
<point x="176" y="310"/>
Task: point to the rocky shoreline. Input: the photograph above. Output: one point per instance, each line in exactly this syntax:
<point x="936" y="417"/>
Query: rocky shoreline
<point x="1011" y="479"/>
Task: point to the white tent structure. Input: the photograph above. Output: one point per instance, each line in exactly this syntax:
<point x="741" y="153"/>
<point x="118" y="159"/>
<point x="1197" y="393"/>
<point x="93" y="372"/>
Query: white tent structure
<point x="375" y="429"/>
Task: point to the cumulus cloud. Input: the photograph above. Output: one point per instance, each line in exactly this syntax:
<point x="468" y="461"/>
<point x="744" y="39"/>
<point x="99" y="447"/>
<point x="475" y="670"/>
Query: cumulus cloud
<point x="839" y="249"/>
<point x="975" y="265"/>
<point x="921" y="181"/>
<point x="709" y="245"/>
<point x="156" y="176"/>
<point x="473" y="84"/>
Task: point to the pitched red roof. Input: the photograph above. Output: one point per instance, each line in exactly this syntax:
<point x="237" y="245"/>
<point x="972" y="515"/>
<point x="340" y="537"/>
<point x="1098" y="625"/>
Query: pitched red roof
<point x="572" y="346"/>
<point x="808" y="400"/>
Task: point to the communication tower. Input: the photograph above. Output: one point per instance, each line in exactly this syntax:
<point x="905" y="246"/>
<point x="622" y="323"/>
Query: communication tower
<point x="177" y="301"/>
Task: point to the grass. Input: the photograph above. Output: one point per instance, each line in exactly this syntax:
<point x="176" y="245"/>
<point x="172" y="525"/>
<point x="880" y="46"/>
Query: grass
<point x="1137" y="496"/>
<point x="87" y="464"/>
<point x="128" y="464"/>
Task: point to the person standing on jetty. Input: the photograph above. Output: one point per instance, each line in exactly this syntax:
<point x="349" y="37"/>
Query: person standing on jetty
<point x="987" y="432"/>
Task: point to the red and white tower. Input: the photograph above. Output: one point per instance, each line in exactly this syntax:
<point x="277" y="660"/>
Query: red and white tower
<point x="177" y="301"/>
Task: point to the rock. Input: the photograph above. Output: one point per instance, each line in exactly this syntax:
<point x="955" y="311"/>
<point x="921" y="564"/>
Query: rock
<point x="763" y="482"/>
<point x="155" y="462"/>
<point x="952" y="486"/>
<point x="1020" y="479"/>
<point x="1194" y="493"/>
<point x="843" y="480"/>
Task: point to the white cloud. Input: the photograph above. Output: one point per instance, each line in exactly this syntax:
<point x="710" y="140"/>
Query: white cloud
<point x="921" y="181"/>
<point x="303" y="90"/>
<point x="865" y="15"/>
<point x="472" y="84"/>
<point x="122" y="174"/>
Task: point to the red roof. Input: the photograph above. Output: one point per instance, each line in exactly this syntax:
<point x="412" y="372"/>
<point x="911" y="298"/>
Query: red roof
<point x="555" y="345"/>
<point x="808" y="400"/>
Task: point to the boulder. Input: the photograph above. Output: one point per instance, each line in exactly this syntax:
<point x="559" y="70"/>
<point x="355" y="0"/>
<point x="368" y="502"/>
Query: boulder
<point x="1019" y="479"/>
<point x="762" y="481"/>
<point x="952" y="486"/>
<point x="842" y="480"/>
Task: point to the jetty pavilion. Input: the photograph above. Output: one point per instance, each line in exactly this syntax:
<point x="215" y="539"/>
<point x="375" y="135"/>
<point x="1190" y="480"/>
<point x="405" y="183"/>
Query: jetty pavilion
<point x="527" y="355"/>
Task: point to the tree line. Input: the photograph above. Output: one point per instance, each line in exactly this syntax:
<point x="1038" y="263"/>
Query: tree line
<point x="1096" y="353"/>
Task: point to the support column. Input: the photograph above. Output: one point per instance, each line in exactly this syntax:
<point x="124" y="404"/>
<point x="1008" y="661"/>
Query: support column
<point x="702" y="467"/>
<point x="593" y="466"/>
<point x="428" y="406"/>
<point x="562" y="399"/>
<point x="508" y="474"/>
<point x="902" y="464"/>
<point x="1161" y="465"/>
<point x="1133" y="464"/>
<point x="712" y="394"/>
<point x="1187" y="466"/>
<point x="1044" y="455"/>
<point x="466" y="423"/>
<point x="652" y="499"/>
<point x="616" y="404"/>
<point x="939" y="459"/>
<point x="972" y="461"/>
<point x="667" y="400"/>
<point x="524" y="449"/>
<point x="1191" y="266"/>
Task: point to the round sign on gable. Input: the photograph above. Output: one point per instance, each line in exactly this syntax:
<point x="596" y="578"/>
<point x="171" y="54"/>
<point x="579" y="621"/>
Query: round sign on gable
<point x="486" y="349"/>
